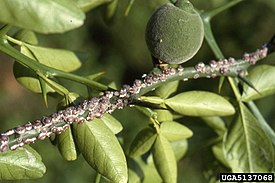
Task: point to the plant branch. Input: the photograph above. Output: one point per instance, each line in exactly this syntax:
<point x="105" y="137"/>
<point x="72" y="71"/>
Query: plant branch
<point x="46" y="70"/>
<point x="206" y="17"/>
<point x="111" y="100"/>
<point x="221" y="8"/>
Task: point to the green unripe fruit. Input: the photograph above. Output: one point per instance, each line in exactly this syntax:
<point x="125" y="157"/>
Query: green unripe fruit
<point x="174" y="33"/>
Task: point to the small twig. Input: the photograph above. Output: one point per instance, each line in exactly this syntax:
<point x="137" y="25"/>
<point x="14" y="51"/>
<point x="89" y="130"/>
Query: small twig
<point x="110" y="101"/>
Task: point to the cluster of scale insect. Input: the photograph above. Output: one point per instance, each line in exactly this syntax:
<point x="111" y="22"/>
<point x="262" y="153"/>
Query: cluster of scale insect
<point x="107" y="103"/>
<point x="86" y="111"/>
<point x="252" y="58"/>
<point x="223" y="66"/>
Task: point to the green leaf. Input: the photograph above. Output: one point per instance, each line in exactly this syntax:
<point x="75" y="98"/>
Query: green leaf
<point x="26" y="36"/>
<point x="217" y="150"/>
<point x="200" y="103"/>
<point x="70" y="99"/>
<point x="174" y="131"/>
<point x="135" y="170"/>
<point x="57" y="87"/>
<point x="167" y="89"/>
<point x="262" y="77"/>
<point x="101" y="149"/>
<point x="142" y="142"/>
<point x="112" y="123"/>
<point x="64" y="60"/>
<point x="248" y="146"/>
<point x="164" y="159"/>
<point x="164" y="115"/>
<point x="180" y="148"/>
<point x="44" y="16"/>
<point x="24" y="163"/>
<point x="216" y="123"/>
<point x="110" y="11"/>
<point x="152" y="99"/>
<point x="146" y="171"/>
<point x="87" y="5"/>
<point x="133" y="177"/>
<point x="66" y="145"/>
<point x="57" y="58"/>
<point x="28" y="79"/>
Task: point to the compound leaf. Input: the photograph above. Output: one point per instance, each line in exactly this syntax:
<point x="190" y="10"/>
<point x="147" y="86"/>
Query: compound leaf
<point x="248" y="145"/>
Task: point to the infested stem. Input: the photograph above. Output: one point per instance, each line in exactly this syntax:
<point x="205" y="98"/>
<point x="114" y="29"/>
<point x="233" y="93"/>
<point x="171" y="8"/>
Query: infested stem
<point x="110" y="101"/>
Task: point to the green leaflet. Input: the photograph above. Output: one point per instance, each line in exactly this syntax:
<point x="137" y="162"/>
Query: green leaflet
<point x="248" y="145"/>
<point x="149" y="173"/>
<point x="135" y="171"/>
<point x="152" y="99"/>
<point x="216" y="123"/>
<point x="66" y="145"/>
<point x="166" y="90"/>
<point x="180" y="148"/>
<point x="57" y="58"/>
<point x="164" y="159"/>
<point x="28" y="79"/>
<point x="164" y="115"/>
<point x="142" y="142"/>
<point x="262" y="77"/>
<point x="200" y="103"/>
<point x="142" y="171"/>
<point x="112" y="123"/>
<point x="101" y="149"/>
<point x="26" y="36"/>
<point x="65" y="141"/>
<point x="24" y="163"/>
<point x="110" y="11"/>
<point x="87" y="5"/>
<point x="133" y="177"/>
<point x="64" y="60"/>
<point x="44" y="16"/>
<point x="174" y="131"/>
<point x="71" y="98"/>
<point x="217" y="150"/>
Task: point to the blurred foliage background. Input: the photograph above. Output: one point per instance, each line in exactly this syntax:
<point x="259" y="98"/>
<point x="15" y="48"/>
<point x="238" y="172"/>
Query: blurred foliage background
<point x="118" y="48"/>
